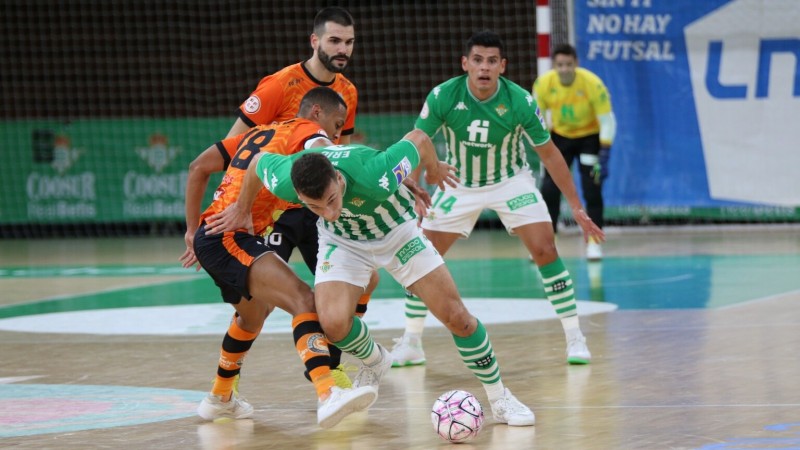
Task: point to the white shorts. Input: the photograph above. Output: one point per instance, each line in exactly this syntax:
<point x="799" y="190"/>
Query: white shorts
<point x="404" y="252"/>
<point x="516" y="201"/>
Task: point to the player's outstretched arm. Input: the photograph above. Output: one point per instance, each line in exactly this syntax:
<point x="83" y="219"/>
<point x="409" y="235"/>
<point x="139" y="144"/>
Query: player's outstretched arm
<point x="422" y="199"/>
<point x="557" y="167"/>
<point x="237" y="215"/>
<point x="200" y="170"/>
<point x="437" y="172"/>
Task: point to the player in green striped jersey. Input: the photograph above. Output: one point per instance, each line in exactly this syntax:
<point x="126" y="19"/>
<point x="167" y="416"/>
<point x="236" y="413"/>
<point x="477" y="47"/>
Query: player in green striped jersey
<point x="487" y="121"/>
<point x="367" y="221"/>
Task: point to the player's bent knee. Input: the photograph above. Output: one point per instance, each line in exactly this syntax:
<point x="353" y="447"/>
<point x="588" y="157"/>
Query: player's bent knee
<point x="545" y="253"/>
<point x="252" y="319"/>
<point x="459" y="321"/>
<point x="335" y="328"/>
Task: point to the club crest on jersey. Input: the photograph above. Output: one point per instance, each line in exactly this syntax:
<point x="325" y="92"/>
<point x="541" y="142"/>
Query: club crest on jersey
<point x="357" y="201"/>
<point x="402" y="170"/>
<point x="501" y="110"/>
<point x="252" y="104"/>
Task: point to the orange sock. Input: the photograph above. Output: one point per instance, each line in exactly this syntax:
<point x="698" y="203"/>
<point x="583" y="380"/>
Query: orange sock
<point x="235" y="345"/>
<point x="312" y="346"/>
<point x="361" y="307"/>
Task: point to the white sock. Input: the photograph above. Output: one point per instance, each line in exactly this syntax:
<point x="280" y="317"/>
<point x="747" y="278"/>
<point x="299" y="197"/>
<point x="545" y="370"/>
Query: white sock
<point x="495" y="391"/>
<point x="571" y="325"/>
<point x="374" y="357"/>
<point x="415" y="325"/>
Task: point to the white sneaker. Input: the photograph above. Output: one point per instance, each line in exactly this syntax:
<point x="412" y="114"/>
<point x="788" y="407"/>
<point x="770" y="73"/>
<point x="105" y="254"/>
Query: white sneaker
<point x="594" y="252"/>
<point x="372" y="375"/>
<point x="507" y="409"/>
<point x="577" y="351"/>
<point x="212" y="407"/>
<point x="343" y="402"/>
<point x="407" y="351"/>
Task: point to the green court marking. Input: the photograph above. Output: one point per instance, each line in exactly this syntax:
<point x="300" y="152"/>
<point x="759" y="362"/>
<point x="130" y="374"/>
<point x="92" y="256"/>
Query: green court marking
<point x="93" y="271"/>
<point x="199" y="290"/>
<point x="699" y="281"/>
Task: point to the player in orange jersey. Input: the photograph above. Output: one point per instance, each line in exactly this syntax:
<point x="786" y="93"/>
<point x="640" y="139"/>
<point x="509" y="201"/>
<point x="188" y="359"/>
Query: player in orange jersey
<point x="275" y="99"/>
<point x="255" y="280"/>
<point x="277" y="95"/>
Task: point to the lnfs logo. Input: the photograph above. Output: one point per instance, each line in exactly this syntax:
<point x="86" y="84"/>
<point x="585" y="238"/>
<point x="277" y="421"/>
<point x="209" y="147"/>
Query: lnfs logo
<point x="744" y="64"/>
<point x="768" y="51"/>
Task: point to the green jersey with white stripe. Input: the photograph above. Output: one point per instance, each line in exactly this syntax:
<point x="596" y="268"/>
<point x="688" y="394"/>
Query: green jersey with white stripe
<point x="374" y="202"/>
<point x="485" y="139"/>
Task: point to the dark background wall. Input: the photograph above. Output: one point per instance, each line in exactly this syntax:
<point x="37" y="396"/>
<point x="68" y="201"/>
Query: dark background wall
<point x="189" y="58"/>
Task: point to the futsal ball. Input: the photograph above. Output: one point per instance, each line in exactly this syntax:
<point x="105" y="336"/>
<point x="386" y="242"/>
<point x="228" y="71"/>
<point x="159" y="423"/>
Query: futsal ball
<point x="457" y="416"/>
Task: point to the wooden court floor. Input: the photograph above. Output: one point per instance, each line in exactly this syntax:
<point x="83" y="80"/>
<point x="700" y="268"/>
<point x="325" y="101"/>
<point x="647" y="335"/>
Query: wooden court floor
<point x="714" y="377"/>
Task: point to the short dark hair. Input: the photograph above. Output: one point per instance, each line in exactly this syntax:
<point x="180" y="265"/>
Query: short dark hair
<point x="323" y="96"/>
<point x="484" y="38"/>
<point x="312" y="173"/>
<point x="333" y="14"/>
<point x="565" y="49"/>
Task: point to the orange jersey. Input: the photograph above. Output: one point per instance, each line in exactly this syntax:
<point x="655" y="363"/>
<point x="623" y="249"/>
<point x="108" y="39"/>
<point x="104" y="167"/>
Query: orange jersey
<point x="285" y="138"/>
<point x="277" y="97"/>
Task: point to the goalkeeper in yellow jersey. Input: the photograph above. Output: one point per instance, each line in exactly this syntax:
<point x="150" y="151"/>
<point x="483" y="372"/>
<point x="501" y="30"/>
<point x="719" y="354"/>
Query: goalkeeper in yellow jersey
<point x="582" y="126"/>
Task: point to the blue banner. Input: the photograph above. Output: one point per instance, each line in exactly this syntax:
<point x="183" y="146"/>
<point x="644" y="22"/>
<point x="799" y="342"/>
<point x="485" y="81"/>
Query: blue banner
<point x="707" y="99"/>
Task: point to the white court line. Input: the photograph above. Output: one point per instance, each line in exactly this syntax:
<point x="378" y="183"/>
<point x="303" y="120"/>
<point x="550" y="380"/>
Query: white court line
<point x="759" y="300"/>
<point x="214" y="318"/>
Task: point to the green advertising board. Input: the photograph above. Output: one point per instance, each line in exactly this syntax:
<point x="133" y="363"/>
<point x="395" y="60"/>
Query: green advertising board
<point x="100" y="170"/>
<point x="119" y="171"/>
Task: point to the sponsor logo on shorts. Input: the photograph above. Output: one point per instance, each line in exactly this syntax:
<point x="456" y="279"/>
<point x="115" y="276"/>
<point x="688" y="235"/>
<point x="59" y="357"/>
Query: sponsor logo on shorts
<point x="411" y="248"/>
<point x="522" y="200"/>
<point x="326" y="266"/>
